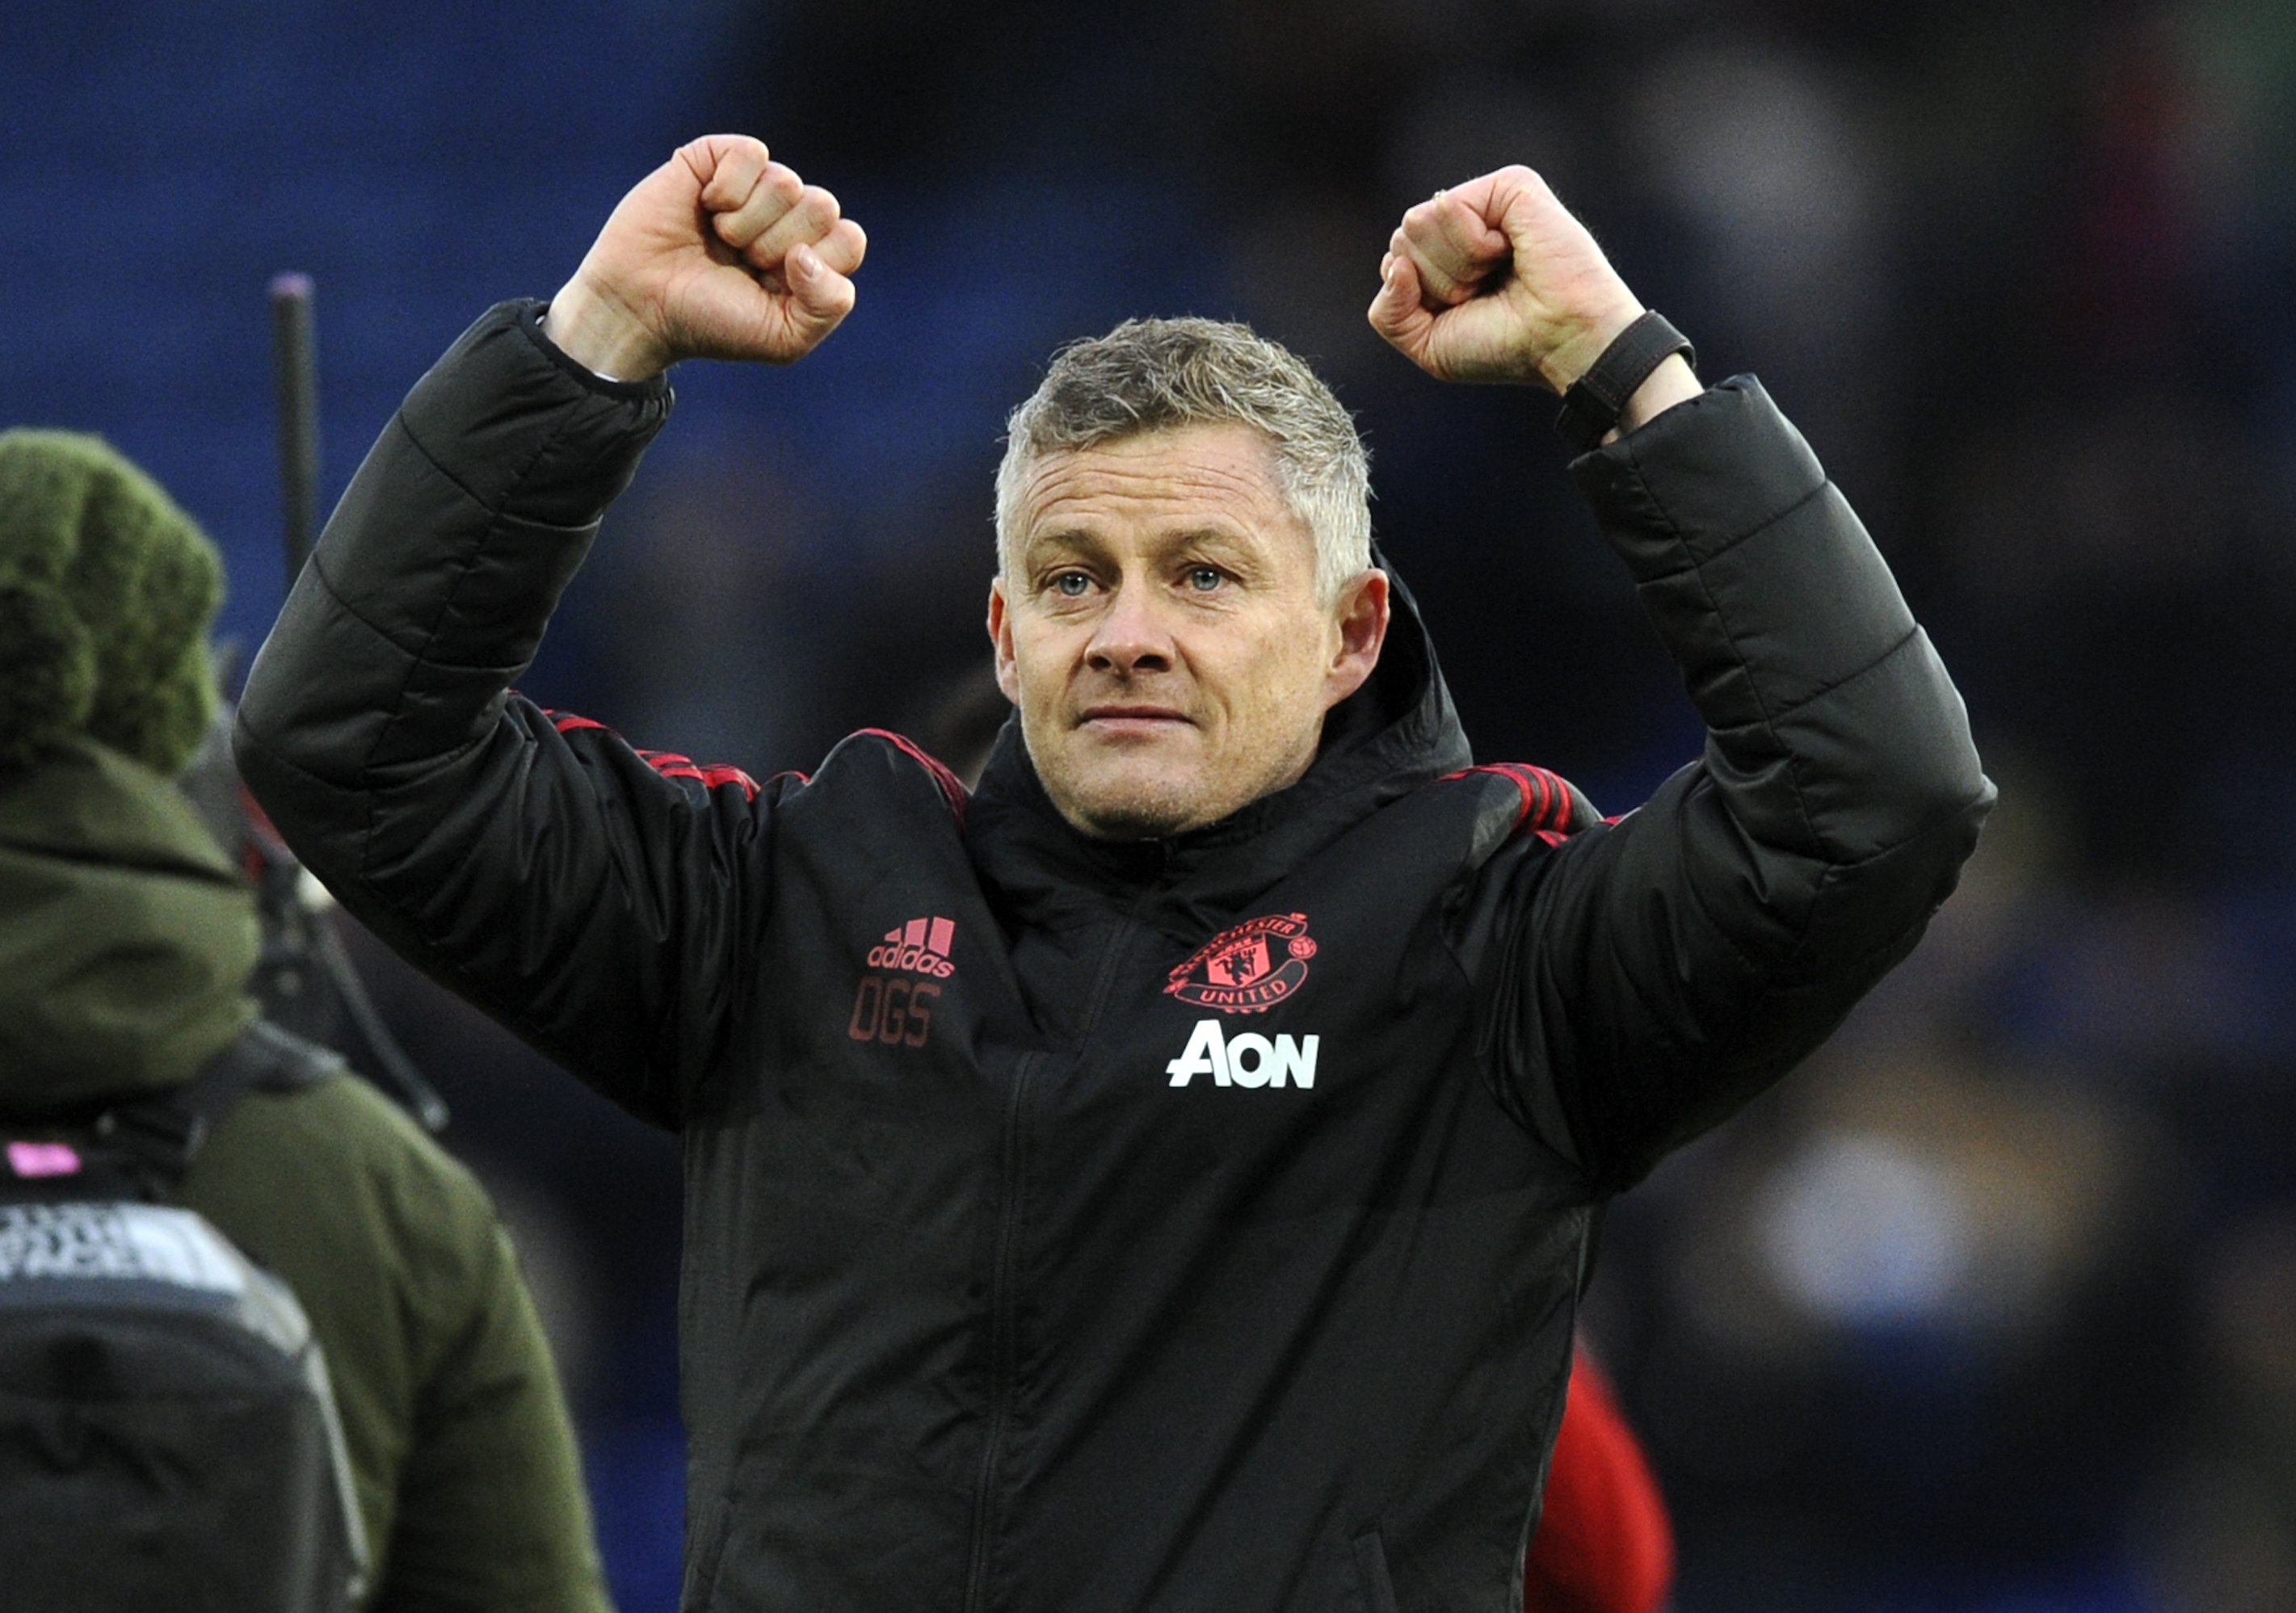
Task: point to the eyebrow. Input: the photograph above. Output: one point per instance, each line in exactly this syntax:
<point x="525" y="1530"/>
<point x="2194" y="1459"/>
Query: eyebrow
<point x="1069" y="540"/>
<point x="1217" y="537"/>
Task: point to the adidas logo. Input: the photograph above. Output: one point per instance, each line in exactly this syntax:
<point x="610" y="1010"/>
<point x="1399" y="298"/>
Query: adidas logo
<point x="922" y="947"/>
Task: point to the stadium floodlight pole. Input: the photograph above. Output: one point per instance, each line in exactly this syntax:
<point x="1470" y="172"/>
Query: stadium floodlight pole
<point x="295" y="384"/>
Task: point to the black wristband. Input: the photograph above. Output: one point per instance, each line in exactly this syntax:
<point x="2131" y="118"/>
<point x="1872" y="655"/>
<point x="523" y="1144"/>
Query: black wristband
<point x="1591" y="406"/>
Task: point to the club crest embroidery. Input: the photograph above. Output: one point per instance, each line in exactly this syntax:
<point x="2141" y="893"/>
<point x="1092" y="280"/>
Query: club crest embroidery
<point x="1249" y="969"/>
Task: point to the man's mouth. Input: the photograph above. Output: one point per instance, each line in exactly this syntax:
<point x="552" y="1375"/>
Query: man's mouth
<point x="1117" y="720"/>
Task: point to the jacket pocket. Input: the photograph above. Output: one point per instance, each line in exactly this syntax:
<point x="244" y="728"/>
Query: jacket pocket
<point x="1371" y="1574"/>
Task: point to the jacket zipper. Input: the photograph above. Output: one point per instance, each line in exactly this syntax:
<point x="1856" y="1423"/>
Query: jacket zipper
<point x="1002" y="1366"/>
<point x="1001" y="1369"/>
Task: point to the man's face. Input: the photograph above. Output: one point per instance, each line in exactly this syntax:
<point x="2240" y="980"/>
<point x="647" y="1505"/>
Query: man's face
<point x="1159" y="629"/>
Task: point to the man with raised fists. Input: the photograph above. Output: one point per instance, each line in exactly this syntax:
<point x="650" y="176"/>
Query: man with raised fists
<point x="993" y="1299"/>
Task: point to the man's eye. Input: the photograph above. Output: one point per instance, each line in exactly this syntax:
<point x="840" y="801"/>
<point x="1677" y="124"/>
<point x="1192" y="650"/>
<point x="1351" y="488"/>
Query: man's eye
<point x="1072" y="585"/>
<point x="1203" y="579"/>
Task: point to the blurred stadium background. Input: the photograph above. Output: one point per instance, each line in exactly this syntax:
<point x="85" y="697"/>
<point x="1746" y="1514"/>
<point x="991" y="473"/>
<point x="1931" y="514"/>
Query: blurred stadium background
<point x="1991" y="1309"/>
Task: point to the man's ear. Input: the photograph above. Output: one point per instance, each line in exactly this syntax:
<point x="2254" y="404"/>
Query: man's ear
<point x="1000" y="634"/>
<point x="1361" y="618"/>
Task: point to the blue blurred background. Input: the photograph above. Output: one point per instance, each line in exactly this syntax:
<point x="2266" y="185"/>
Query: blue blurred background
<point x="1993" y="1308"/>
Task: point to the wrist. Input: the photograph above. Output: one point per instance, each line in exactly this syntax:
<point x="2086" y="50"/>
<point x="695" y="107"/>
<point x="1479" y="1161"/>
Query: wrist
<point x="1672" y="382"/>
<point x="1572" y="357"/>
<point x="1644" y="371"/>
<point x="600" y="335"/>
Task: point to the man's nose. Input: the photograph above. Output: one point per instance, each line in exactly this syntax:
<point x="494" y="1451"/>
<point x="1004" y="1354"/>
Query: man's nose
<point x="1131" y="637"/>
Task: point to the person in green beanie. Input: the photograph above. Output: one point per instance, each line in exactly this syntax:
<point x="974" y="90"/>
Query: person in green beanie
<point x="127" y="941"/>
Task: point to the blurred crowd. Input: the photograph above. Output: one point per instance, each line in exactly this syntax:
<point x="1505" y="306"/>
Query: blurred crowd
<point x="1993" y="1307"/>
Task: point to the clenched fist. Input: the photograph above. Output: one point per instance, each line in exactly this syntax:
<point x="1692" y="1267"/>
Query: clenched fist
<point x="1494" y="280"/>
<point x="720" y="253"/>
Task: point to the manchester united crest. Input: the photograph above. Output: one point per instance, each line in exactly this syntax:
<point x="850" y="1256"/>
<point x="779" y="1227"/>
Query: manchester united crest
<point x="1249" y="969"/>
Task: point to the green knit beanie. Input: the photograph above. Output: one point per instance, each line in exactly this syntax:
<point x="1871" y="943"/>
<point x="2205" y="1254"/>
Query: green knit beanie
<point x="106" y="592"/>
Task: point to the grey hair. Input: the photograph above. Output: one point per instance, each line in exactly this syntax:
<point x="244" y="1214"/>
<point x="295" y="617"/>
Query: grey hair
<point x="1155" y="375"/>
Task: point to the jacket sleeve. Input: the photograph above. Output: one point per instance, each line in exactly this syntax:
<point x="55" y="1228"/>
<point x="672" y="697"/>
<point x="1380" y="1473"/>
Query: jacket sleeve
<point x="1659" y="970"/>
<point x="538" y="867"/>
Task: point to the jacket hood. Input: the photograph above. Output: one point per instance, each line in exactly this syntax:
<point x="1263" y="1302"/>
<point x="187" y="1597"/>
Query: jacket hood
<point x="1392" y="735"/>
<point x="126" y="937"/>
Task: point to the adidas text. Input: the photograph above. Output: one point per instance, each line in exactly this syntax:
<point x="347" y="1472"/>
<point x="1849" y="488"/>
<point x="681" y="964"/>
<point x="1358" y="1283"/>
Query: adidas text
<point x="1250" y="1060"/>
<point x="920" y="946"/>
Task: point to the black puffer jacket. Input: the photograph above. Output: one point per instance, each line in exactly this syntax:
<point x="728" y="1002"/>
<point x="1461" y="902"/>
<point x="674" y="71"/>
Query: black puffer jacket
<point x="1193" y="1224"/>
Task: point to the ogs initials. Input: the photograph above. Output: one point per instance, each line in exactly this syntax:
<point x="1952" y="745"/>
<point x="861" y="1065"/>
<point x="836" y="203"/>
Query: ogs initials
<point x="892" y="1007"/>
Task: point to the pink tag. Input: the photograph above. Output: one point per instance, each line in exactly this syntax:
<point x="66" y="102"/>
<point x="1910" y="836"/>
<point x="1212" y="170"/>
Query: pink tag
<point x="43" y="1159"/>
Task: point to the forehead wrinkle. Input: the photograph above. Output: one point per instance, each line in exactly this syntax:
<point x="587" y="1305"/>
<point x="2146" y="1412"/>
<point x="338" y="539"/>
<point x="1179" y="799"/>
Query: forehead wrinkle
<point x="1134" y="493"/>
<point x="1162" y="460"/>
<point x="1086" y="516"/>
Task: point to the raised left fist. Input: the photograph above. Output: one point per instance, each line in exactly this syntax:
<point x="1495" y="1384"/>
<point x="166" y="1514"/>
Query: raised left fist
<point x="1494" y="280"/>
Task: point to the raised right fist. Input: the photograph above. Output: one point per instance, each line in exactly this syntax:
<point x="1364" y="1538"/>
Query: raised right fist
<point x="720" y="253"/>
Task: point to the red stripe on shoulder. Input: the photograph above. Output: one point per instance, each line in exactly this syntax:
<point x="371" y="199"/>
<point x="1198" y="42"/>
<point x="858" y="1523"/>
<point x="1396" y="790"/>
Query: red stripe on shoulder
<point x="1557" y="814"/>
<point x="1528" y="812"/>
<point x="667" y="763"/>
<point x="672" y="766"/>
<point x="1544" y="784"/>
<point x="1546" y="805"/>
<point x="951" y="786"/>
<point x="722" y="774"/>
